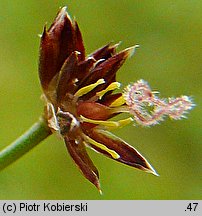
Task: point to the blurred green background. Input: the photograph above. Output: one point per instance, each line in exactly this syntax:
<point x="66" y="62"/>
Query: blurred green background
<point x="170" y="59"/>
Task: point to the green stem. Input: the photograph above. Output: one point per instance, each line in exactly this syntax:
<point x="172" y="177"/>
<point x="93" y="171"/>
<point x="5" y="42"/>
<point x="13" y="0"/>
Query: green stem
<point x="32" y="137"/>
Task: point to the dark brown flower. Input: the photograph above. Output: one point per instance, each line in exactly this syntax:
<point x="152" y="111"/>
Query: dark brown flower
<point x="78" y="92"/>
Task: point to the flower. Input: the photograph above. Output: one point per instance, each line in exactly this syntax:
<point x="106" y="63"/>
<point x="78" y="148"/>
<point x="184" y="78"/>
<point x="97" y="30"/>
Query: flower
<point x="78" y="91"/>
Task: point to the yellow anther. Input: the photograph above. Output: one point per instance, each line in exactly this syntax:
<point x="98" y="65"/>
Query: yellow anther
<point x="101" y="146"/>
<point x="110" y="125"/>
<point x="125" y="122"/>
<point x="118" y="102"/>
<point x="111" y="87"/>
<point x="100" y="122"/>
<point x="88" y="88"/>
<point x="120" y="123"/>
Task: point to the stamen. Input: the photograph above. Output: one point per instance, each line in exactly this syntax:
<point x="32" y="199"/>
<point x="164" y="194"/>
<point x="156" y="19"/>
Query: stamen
<point x="88" y="88"/>
<point x="125" y="122"/>
<point x="100" y="122"/>
<point x="111" y="87"/>
<point x="118" y="102"/>
<point x="111" y="125"/>
<point x="103" y="147"/>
